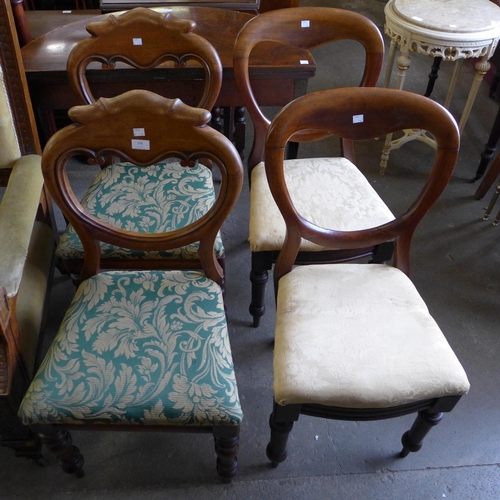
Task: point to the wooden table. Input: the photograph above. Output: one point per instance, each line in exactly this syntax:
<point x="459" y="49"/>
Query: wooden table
<point x="276" y="83"/>
<point x="241" y="5"/>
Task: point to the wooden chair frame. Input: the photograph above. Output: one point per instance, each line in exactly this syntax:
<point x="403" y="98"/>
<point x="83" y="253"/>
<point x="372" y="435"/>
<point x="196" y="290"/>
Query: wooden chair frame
<point x="191" y="140"/>
<point x="143" y="39"/>
<point x="285" y="27"/>
<point x="331" y="112"/>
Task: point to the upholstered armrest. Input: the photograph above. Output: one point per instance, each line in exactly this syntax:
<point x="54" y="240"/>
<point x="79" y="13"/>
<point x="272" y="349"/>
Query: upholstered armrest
<point x="18" y="210"/>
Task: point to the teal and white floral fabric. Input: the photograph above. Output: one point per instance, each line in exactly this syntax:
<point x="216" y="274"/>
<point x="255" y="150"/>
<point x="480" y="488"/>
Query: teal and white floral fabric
<point x="139" y="348"/>
<point x="162" y="197"/>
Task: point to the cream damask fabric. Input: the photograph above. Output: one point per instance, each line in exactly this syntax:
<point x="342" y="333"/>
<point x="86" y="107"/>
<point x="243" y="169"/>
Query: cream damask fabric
<point x="162" y="197"/>
<point x="139" y="348"/>
<point x="359" y="336"/>
<point x="331" y="192"/>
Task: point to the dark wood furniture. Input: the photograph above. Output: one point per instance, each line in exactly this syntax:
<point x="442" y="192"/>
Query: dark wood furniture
<point x="267" y="5"/>
<point x="149" y="349"/>
<point x="276" y="81"/>
<point x="304" y="28"/>
<point x="41" y="22"/>
<point x="251" y="6"/>
<point x="27" y="243"/>
<point x="356" y="341"/>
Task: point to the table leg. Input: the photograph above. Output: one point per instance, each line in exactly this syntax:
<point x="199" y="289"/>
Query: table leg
<point x="216" y="121"/>
<point x="453" y="82"/>
<point x="390" y="64"/>
<point x="46" y="123"/>
<point x="239" y="129"/>
<point x="433" y="76"/>
<point x="482" y="68"/>
<point x="403" y="65"/>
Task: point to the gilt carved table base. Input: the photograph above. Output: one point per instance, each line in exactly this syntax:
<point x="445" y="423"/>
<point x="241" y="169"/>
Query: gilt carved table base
<point x="454" y="30"/>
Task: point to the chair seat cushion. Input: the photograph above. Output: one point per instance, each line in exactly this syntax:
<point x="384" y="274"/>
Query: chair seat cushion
<point x="164" y="196"/>
<point x="350" y="203"/>
<point x="359" y="336"/>
<point x="139" y="348"/>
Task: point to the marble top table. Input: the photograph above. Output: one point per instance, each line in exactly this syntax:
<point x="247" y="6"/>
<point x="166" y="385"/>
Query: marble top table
<point x="449" y="30"/>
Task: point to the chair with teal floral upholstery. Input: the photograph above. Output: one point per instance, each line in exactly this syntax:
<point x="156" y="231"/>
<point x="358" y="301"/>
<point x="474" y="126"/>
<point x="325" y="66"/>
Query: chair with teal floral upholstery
<point x="143" y="201"/>
<point x="356" y="341"/>
<point x="141" y="349"/>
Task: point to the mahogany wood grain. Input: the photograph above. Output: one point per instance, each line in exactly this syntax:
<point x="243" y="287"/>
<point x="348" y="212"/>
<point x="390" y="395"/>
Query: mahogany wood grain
<point x="267" y="5"/>
<point x="251" y="6"/>
<point x="144" y="39"/>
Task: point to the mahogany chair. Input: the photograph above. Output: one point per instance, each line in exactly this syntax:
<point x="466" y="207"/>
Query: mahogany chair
<point x="144" y="39"/>
<point x="356" y="341"/>
<point x="27" y="242"/>
<point x="138" y="349"/>
<point x="306" y="28"/>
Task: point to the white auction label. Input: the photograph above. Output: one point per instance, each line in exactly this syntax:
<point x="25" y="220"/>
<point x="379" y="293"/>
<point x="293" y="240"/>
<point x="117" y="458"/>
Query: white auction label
<point x="358" y="119"/>
<point x="139" y="132"/>
<point x="140" y="144"/>
<point x="305" y="24"/>
<point x="137" y="41"/>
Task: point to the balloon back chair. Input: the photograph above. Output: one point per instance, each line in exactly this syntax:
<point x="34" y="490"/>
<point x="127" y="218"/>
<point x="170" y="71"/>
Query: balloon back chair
<point x="140" y="349"/>
<point x="306" y="28"/>
<point x="356" y="341"/>
<point x="144" y="39"/>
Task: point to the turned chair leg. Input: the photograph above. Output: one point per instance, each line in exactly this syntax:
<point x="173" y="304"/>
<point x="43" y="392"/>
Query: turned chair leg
<point x="227" y="442"/>
<point x="412" y="440"/>
<point x="68" y="456"/>
<point x="259" y="276"/>
<point x="281" y="423"/>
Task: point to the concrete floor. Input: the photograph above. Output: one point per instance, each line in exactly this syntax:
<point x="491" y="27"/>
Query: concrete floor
<point x="454" y="266"/>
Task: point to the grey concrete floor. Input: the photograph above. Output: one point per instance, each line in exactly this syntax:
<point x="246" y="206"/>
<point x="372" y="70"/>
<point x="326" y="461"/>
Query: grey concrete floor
<point x="455" y="266"/>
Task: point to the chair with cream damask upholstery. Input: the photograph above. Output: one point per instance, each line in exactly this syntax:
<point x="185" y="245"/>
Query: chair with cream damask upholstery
<point x="27" y="242"/>
<point x="307" y="28"/>
<point x="356" y="341"/>
<point x="144" y="39"/>
<point x="141" y="349"/>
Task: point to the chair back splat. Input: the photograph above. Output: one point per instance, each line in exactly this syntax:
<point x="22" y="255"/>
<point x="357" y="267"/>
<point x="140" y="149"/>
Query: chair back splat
<point x="144" y="39"/>
<point x="356" y="341"/>
<point x="147" y="349"/>
<point x="307" y="28"/>
<point x="358" y="114"/>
